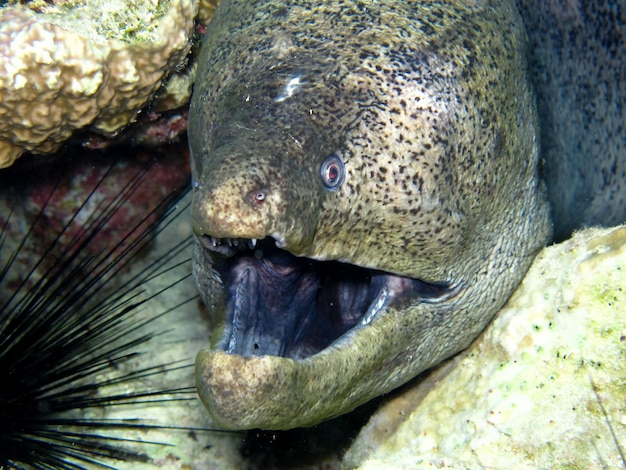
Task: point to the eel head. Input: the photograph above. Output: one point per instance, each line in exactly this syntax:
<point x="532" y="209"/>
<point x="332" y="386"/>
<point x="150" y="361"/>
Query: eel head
<point x="359" y="220"/>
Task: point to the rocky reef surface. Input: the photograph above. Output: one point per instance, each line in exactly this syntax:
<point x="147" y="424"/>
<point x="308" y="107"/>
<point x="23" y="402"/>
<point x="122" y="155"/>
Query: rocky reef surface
<point x="542" y="387"/>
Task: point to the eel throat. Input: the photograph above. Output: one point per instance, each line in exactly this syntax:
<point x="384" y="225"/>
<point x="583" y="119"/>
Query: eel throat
<point x="283" y="305"/>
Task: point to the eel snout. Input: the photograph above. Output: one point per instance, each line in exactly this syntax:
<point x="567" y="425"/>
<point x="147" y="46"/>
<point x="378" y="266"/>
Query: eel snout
<point x="232" y="210"/>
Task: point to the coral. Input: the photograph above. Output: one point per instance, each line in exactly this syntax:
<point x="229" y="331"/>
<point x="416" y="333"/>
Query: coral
<point x="206" y="9"/>
<point x="543" y="387"/>
<point x="84" y="64"/>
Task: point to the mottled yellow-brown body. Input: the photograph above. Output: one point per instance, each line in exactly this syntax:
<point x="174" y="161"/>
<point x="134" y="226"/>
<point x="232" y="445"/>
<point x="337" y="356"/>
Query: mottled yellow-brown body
<point x="428" y="108"/>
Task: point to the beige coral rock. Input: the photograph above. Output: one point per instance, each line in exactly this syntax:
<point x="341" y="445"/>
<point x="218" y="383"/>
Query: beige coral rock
<point x="206" y="9"/>
<point x="91" y="63"/>
<point x="543" y="387"/>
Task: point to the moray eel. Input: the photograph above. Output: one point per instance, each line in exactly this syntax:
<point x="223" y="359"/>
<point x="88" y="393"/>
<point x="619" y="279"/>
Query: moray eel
<point x="577" y="53"/>
<point x="366" y="196"/>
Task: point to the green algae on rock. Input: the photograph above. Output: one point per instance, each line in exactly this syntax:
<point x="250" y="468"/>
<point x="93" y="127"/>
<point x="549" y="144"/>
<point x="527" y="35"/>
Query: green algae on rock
<point x="374" y="167"/>
<point x="543" y="386"/>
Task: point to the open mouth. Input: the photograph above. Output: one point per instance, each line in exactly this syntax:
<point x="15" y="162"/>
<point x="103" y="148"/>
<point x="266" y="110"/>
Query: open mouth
<point x="283" y="305"/>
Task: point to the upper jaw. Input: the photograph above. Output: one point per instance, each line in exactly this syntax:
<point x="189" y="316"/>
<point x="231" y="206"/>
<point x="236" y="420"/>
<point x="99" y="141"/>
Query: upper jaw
<point x="226" y="246"/>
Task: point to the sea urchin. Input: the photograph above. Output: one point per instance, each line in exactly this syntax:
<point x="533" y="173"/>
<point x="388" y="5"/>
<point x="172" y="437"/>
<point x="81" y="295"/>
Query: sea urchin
<point x="69" y="330"/>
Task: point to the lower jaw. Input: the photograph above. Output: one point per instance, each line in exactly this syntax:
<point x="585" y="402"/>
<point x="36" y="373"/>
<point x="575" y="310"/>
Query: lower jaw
<point x="278" y="393"/>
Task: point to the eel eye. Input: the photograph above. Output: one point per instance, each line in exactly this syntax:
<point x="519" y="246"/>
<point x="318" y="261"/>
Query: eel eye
<point x="332" y="172"/>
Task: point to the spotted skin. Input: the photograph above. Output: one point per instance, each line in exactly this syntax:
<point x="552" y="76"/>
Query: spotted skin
<point x="430" y="110"/>
<point x="577" y="58"/>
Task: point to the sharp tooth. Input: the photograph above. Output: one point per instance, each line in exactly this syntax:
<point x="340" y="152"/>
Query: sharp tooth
<point x="379" y="303"/>
<point x="236" y="242"/>
<point x="252" y="243"/>
<point x="214" y="241"/>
